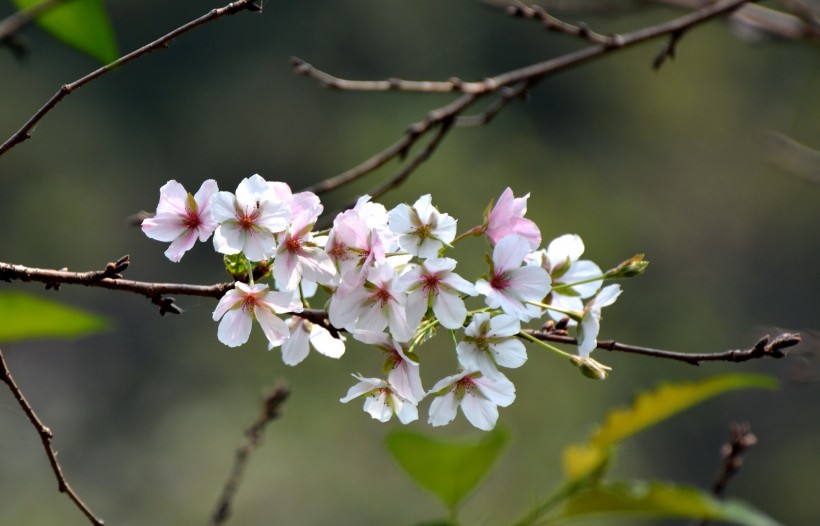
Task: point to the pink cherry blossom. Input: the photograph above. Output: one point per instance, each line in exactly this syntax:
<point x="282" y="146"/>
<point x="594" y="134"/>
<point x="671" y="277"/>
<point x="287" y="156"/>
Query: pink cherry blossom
<point x="510" y="285"/>
<point x="478" y="396"/>
<point x="353" y="246"/>
<point x="181" y="217"/>
<point x="249" y="219"/>
<point x="507" y="218"/>
<point x="244" y="303"/>
<point x="382" y="400"/>
<point x="374" y="305"/>
<point x="434" y="284"/>
<point x="297" y="255"/>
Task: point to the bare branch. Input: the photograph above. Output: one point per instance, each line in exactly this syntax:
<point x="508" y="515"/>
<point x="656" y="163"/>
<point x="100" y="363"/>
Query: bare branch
<point x="253" y="436"/>
<point x="46" y="437"/>
<point x="765" y="347"/>
<point x="110" y="278"/>
<point x="536" y="12"/>
<point x="24" y="132"/>
<point x="507" y="86"/>
<point x="732" y="459"/>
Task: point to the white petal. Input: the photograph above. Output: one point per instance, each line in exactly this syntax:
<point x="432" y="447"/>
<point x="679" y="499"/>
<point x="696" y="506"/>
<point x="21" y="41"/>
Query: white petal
<point x="568" y="246"/>
<point x="482" y="413"/>
<point x="274" y="328"/>
<point x="450" y="310"/>
<point x="295" y="349"/>
<point x="406" y="412"/>
<point x="509" y="353"/>
<point x="235" y="328"/>
<point x="510" y="252"/>
<point x="504" y="325"/>
<point x="164" y="226"/>
<point x="443" y="410"/>
<point x="499" y="391"/>
<point x="529" y="283"/>
<point x="378" y="406"/>
<point x="325" y="343"/>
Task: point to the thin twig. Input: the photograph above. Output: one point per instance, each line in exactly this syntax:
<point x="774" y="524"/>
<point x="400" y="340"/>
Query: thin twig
<point x="519" y="79"/>
<point x="536" y="12"/>
<point x="46" y="437"/>
<point x="253" y="436"/>
<point x="732" y="459"/>
<point x="24" y="132"/>
<point x="765" y="347"/>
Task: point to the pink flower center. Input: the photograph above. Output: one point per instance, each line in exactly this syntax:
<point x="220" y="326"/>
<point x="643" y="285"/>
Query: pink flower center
<point x="382" y="296"/>
<point x="192" y="220"/>
<point x="294" y="245"/>
<point x="248" y="219"/>
<point x="500" y="281"/>
<point x="430" y="284"/>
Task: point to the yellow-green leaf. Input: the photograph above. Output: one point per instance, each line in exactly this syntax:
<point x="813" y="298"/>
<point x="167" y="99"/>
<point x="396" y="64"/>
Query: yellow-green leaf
<point x="448" y="468"/>
<point x="580" y="460"/>
<point x="657" y="499"/>
<point x="27" y="317"/>
<point x="81" y="24"/>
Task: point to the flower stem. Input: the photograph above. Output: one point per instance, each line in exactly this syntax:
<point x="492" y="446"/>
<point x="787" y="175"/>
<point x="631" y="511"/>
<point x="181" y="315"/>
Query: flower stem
<point x="552" y="348"/>
<point x="562" y="286"/>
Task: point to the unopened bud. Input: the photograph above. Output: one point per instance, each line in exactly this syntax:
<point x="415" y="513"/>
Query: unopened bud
<point x="634" y="266"/>
<point x="591" y="368"/>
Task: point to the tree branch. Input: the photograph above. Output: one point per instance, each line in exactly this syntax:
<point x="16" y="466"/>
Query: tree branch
<point x="253" y="436"/>
<point x="19" y="19"/>
<point x="24" y="132"/>
<point x="111" y="278"/>
<point x="765" y="347"/>
<point x="732" y="459"/>
<point x="507" y="86"/>
<point x="46" y="437"/>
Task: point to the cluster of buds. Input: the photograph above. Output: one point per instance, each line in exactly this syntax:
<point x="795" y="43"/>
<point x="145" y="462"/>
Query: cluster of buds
<point x="391" y="286"/>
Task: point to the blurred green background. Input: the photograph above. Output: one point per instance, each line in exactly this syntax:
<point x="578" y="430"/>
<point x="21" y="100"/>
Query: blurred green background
<point x="678" y="164"/>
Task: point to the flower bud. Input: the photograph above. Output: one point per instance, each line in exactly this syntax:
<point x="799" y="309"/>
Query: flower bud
<point x="634" y="266"/>
<point x="591" y="368"/>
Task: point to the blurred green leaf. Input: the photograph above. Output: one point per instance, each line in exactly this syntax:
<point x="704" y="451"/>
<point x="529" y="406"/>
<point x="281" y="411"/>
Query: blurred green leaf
<point x="27" y="317"/>
<point x="448" y="468"/>
<point x="580" y="460"/>
<point x="659" y="499"/>
<point x="81" y="24"/>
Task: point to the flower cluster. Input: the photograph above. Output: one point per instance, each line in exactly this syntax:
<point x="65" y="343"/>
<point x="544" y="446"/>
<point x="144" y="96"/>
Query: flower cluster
<point x="390" y="286"/>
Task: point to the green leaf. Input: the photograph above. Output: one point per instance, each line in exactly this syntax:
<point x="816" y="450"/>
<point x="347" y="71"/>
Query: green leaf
<point x="81" y="24"/>
<point x="27" y="317"/>
<point x="580" y="460"/>
<point x="657" y="499"/>
<point x="448" y="468"/>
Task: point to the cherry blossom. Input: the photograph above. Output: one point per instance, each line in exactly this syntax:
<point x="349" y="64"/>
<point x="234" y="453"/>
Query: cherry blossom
<point x="491" y="342"/>
<point x="511" y="286"/>
<point x="434" y="284"/>
<point x="297" y="255"/>
<point x="181" y="217"/>
<point x="249" y="219"/>
<point x="479" y="397"/>
<point x="561" y="260"/>
<point x="423" y="231"/>
<point x="403" y="371"/>
<point x="591" y="322"/>
<point x="507" y="218"/>
<point x="352" y="245"/>
<point x="382" y="401"/>
<point x="295" y="349"/>
<point x="373" y="306"/>
<point x="244" y="303"/>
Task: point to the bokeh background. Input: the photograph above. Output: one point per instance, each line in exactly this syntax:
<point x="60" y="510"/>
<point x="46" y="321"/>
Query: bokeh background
<point x="679" y="164"/>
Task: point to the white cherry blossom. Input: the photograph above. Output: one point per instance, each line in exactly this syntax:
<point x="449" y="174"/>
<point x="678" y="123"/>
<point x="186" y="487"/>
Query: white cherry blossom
<point x="491" y="342"/>
<point x="422" y="229"/>
<point x="295" y="349"/>
<point x="382" y="401"/>
<point x="244" y="303"/>
<point x="591" y="322"/>
<point x="403" y="371"/>
<point x="249" y="219"/>
<point x="477" y="395"/>
<point x="181" y="218"/>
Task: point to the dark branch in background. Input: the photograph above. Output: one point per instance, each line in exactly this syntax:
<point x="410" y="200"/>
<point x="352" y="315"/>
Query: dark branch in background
<point x="507" y="85"/>
<point x="253" y="436"/>
<point x="20" y="19"/>
<point x="24" y="132"/>
<point x="732" y="459"/>
<point x="46" y="437"/>
<point x="765" y="347"/>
